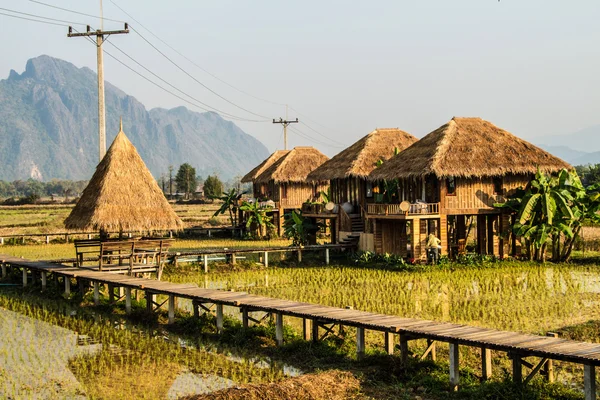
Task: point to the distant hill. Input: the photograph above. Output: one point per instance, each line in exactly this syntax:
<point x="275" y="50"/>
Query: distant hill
<point x="48" y="128"/>
<point x="581" y="147"/>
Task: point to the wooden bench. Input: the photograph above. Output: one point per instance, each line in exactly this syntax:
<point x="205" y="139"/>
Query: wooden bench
<point x="146" y="255"/>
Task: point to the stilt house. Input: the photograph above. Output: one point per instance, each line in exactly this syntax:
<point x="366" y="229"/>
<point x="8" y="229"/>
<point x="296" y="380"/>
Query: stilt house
<point x="347" y="173"/>
<point x="450" y="178"/>
<point x="260" y="191"/>
<point x="282" y="178"/>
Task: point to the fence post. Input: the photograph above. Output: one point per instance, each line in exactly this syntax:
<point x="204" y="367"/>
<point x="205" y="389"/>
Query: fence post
<point x="1" y="240"/>
<point x="306" y="328"/>
<point x="3" y="270"/>
<point x="299" y="255"/>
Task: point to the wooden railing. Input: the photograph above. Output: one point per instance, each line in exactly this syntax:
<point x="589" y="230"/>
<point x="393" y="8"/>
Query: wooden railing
<point x="394" y="209"/>
<point x="345" y="221"/>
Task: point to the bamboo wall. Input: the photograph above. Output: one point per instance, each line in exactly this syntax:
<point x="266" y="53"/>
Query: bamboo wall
<point x="293" y="194"/>
<point x="350" y="190"/>
<point x="479" y="193"/>
<point x="390" y="237"/>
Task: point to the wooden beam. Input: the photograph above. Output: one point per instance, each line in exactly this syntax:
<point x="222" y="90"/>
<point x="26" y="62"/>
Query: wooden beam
<point x="205" y="259"/>
<point x="3" y="271"/>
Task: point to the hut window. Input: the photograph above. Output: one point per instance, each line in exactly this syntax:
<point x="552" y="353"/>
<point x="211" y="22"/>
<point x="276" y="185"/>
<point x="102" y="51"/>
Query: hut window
<point x="497" y="184"/>
<point x="450" y="186"/>
<point x="284" y="191"/>
<point x="369" y="189"/>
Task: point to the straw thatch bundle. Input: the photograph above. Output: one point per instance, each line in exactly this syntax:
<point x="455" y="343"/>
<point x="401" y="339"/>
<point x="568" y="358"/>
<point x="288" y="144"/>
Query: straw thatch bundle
<point x="260" y="168"/>
<point x="293" y="166"/>
<point x="331" y="385"/>
<point x="468" y="147"/>
<point x="361" y="158"/>
<point x="122" y="195"/>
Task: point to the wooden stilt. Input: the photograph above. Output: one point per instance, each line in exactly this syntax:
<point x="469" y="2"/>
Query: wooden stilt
<point x="171" y="309"/>
<point x="360" y="343"/>
<point x="299" y="255"/>
<point x="389" y="343"/>
<point x="96" y="293"/>
<point x="454" y="366"/>
<point x="266" y="257"/>
<point x="517" y="367"/>
<point x="279" y="328"/>
<point x="404" y="348"/>
<point x="24" y="276"/>
<point x="205" y="259"/>
<point x="315" y="330"/>
<point x="549" y="366"/>
<point x="3" y="271"/>
<point x="233" y="258"/>
<point x="44" y="280"/>
<point x="128" y="300"/>
<point x="111" y="293"/>
<point x="326" y="256"/>
<point x="149" y="301"/>
<point x="219" y="318"/>
<point x="486" y="364"/>
<point x="589" y="382"/>
<point x="306" y="328"/>
<point x="244" y="317"/>
<point x="67" y="286"/>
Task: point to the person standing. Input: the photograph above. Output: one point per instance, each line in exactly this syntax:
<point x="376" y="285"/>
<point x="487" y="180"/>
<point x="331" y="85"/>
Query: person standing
<point x="433" y="248"/>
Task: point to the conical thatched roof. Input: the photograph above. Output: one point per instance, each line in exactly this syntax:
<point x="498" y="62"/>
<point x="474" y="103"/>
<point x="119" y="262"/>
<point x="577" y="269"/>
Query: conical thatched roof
<point x="122" y="195"/>
<point x="468" y="147"/>
<point x="293" y="166"/>
<point x="361" y="158"/>
<point x="260" y="168"/>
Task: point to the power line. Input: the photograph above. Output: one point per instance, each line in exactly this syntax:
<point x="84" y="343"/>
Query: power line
<point x="42" y="17"/>
<point x="191" y="76"/>
<point x="76" y="12"/>
<point x="194" y="63"/>
<point x="34" y="20"/>
<point x="317" y="141"/>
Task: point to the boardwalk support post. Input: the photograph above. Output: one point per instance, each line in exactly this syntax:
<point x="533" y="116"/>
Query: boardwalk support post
<point x="279" y="328"/>
<point x="44" y="280"/>
<point x="171" y="309"/>
<point x="128" y="300"/>
<point x="299" y="255"/>
<point x="486" y="364"/>
<point x="389" y="343"/>
<point x="315" y="330"/>
<point x="3" y="271"/>
<point x="360" y="342"/>
<point x="96" y="293"/>
<point x="517" y="367"/>
<point x="266" y="259"/>
<point x="244" y="317"/>
<point x="589" y="382"/>
<point x="219" y="318"/>
<point x="549" y="366"/>
<point x="326" y="256"/>
<point x="404" y="348"/>
<point x="149" y="301"/>
<point x="24" y="276"/>
<point x="67" y="286"/>
<point x="306" y="329"/>
<point x="205" y="259"/>
<point x="454" y="366"/>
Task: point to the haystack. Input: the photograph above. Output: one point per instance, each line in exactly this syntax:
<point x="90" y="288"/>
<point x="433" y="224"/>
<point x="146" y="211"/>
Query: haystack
<point x="122" y="195"/>
<point x="260" y="168"/>
<point x="469" y="148"/>
<point x="358" y="160"/>
<point x="293" y="166"/>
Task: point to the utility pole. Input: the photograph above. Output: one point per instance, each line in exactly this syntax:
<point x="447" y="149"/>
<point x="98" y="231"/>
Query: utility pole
<point x="285" y="124"/>
<point x="101" y="36"/>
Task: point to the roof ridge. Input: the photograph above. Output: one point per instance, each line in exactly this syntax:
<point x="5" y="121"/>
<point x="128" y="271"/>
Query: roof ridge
<point x="361" y="154"/>
<point x="444" y="142"/>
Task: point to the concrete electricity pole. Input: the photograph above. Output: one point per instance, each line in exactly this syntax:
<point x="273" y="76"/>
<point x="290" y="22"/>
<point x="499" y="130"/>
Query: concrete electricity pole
<point x="285" y="124"/>
<point x="101" y="36"/>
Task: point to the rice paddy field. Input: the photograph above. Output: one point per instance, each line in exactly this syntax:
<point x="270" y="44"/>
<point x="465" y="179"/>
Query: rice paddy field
<point x="96" y="352"/>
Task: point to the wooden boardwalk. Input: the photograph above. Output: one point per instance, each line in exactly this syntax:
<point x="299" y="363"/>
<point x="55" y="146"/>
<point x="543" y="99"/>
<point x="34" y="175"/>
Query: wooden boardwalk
<point x="319" y="321"/>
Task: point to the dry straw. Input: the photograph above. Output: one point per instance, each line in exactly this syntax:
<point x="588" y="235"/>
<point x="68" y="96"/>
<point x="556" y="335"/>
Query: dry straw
<point x="293" y="166"/>
<point x="469" y="147"/>
<point x="260" y="168"/>
<point x="122" y="195"/>
<point x="361" y="158"/>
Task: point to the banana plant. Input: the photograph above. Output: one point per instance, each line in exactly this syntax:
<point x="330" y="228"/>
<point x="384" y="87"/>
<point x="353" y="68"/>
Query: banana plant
<point x="230" y="203"/>
<point x="299" y="228"/>
<point x="258" y="216"/>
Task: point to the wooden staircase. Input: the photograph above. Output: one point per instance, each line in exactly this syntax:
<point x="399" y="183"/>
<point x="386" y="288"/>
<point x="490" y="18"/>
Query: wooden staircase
<point x="357" y="222"/>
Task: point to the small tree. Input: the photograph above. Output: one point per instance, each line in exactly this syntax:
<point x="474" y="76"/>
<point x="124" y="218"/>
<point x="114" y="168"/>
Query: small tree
<point x="300" y="229"/>
<point x="230" y="202"/>
<point x="186" y="179"/>
<point x="213" y="187"/>
<point x="258" y="217"/>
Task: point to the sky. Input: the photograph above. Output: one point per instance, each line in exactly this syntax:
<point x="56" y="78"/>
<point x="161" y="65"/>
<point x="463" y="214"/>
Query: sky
<point x="343" y="67"/>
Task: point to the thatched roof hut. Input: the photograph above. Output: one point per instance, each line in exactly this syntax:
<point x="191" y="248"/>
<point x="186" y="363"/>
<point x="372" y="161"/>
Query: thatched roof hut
<point x="468" y="148"/>
<point x="360" y="159"/>
<point x="122" y="195"/>
<point x="260" y="168"/>
<point x="293" y="166"/>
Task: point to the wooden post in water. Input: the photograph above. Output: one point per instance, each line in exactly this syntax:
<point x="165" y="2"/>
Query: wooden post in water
<point x="454" y="366"/>
<point x="360" y="342"/>
<point x="389" y="342"/>
<point x="128" y="300"/>
<point x="589" y="382"/>
<point x="486" y="364"/>
<point x="96" y="293"/>
<point x="279" y="328"/>
<point x="219" y="318"/>
<point x="44" y="280"/>
<point x="171" y="309"/>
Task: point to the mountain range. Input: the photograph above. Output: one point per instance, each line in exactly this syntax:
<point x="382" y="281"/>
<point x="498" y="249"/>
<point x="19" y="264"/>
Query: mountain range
<point x="48" y="128"/>
<point x="575" y="147"/>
